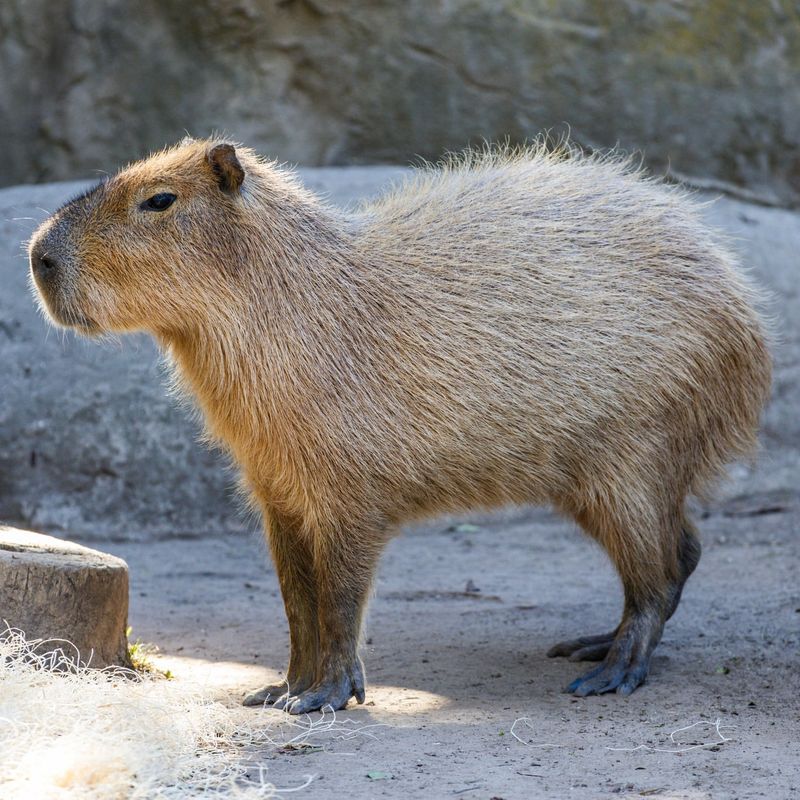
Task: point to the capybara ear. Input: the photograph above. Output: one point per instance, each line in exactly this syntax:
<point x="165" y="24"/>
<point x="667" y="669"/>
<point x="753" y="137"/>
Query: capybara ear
<point x="226" y="167"/>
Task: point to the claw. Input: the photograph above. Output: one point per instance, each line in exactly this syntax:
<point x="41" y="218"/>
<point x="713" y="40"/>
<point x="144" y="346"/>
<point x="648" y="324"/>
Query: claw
<point x="268" y="695"/>
<point x="334" y="691"/>
<point x="625" y="657"/>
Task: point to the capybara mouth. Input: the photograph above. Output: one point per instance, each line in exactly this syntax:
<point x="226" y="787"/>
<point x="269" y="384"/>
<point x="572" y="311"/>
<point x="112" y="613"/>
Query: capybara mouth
<point x="81" y="323"/>
<point x="69" y="318"/>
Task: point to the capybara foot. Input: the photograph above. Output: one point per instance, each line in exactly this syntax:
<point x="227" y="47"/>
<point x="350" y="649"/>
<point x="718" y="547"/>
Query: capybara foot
<point x="608" y="677"/>
<point x="584" y="648"/>
<point x="626" y="663"/>
<point x="269" y="695"/>
<point x="332" y="691"/>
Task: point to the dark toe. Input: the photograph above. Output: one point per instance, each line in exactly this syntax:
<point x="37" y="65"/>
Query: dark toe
<point x="635" y="677"/>
<point x="619" y="675"/>
<point x="592" y="652"/>
<point x="317" y="699"/>
<point x="580" y="685"/>
<point x="572" y="646"/>
<point x="333" y="692"/>
<point x="281" y="702"/>
<point x="266" y="696"/>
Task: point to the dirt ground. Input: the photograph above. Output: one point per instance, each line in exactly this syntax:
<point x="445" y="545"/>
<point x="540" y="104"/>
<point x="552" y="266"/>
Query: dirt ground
<point x="450" y="671"/>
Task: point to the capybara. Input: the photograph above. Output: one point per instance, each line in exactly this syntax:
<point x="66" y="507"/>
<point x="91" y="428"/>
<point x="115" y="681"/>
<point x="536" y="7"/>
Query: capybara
<point x="511" y="326"/>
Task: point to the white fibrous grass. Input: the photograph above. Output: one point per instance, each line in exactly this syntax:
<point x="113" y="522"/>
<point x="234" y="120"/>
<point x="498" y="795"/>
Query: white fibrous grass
<point x="676" y="746"/>
<point x="528" y="723"/>
<point x="69" y="732"/>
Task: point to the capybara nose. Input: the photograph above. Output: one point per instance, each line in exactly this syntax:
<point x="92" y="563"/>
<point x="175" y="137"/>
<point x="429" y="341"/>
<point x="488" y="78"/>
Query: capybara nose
<point x="45" y="266"/>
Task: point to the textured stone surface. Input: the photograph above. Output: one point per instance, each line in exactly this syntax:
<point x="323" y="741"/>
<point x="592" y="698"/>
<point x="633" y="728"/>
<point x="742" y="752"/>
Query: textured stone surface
<point x="709" y="86"/>
<point x="53" y="589"/>
<point x="92" y="445"/>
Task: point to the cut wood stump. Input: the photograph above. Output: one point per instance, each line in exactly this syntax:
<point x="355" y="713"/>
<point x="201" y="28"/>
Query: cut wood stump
<point x="54" y="589"/>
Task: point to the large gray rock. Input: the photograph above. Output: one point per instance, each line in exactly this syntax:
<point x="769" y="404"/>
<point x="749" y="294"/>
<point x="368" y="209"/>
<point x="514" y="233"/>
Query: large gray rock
<point x="74" y="598"/>
<point x="712" y="87"/>
<point x="90" y="441"/>
<point x="91" y="444"/>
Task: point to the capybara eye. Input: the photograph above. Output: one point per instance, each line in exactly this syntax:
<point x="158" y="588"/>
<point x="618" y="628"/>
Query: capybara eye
<point x="158" y="202"/>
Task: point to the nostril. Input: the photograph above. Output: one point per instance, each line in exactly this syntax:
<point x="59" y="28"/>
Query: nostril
<point x="45" y="266"/>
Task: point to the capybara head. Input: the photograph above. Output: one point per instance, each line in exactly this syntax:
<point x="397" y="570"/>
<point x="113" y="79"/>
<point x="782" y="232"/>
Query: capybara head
<point x="139" y="250"/>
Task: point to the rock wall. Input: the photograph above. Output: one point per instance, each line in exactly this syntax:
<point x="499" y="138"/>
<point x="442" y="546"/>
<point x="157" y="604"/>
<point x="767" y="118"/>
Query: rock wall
<point x="91" y="443"/>
<point x="710" y="87"/>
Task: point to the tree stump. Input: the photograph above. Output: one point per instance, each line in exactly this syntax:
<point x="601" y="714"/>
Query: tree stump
<point x="54" y="589"/>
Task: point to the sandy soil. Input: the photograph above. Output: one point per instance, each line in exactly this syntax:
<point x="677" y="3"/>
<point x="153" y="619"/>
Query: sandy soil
<point x="451" y="671"/>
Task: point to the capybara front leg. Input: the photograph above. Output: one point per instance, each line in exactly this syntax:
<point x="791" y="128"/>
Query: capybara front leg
<point x="344" y="570"/>
<point x="294" y="563"/>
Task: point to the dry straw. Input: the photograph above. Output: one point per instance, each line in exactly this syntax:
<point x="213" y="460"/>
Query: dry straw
<point x="68" y="732"/>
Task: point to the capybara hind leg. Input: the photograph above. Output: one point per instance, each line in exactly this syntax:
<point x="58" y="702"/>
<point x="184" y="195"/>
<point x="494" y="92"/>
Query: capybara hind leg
<point x="344" y="567"/>
<point x="294" y="563"/>
<point x="595" y="648"/>
<point x="689" y="552"/>
<point x="653" y="567"/>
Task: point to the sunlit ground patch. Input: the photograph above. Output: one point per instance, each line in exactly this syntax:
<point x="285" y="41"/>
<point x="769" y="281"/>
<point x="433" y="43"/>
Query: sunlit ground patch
<point x="231" y="680"/>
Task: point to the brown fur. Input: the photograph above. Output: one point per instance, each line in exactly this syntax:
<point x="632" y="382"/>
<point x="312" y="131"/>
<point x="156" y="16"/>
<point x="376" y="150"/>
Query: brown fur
<point x="509" y="327"/>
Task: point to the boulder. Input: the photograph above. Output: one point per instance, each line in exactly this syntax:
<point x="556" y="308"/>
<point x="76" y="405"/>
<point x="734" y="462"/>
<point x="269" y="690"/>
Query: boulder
<point x="92" y="445"/>
<point x="71" y="596"/>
